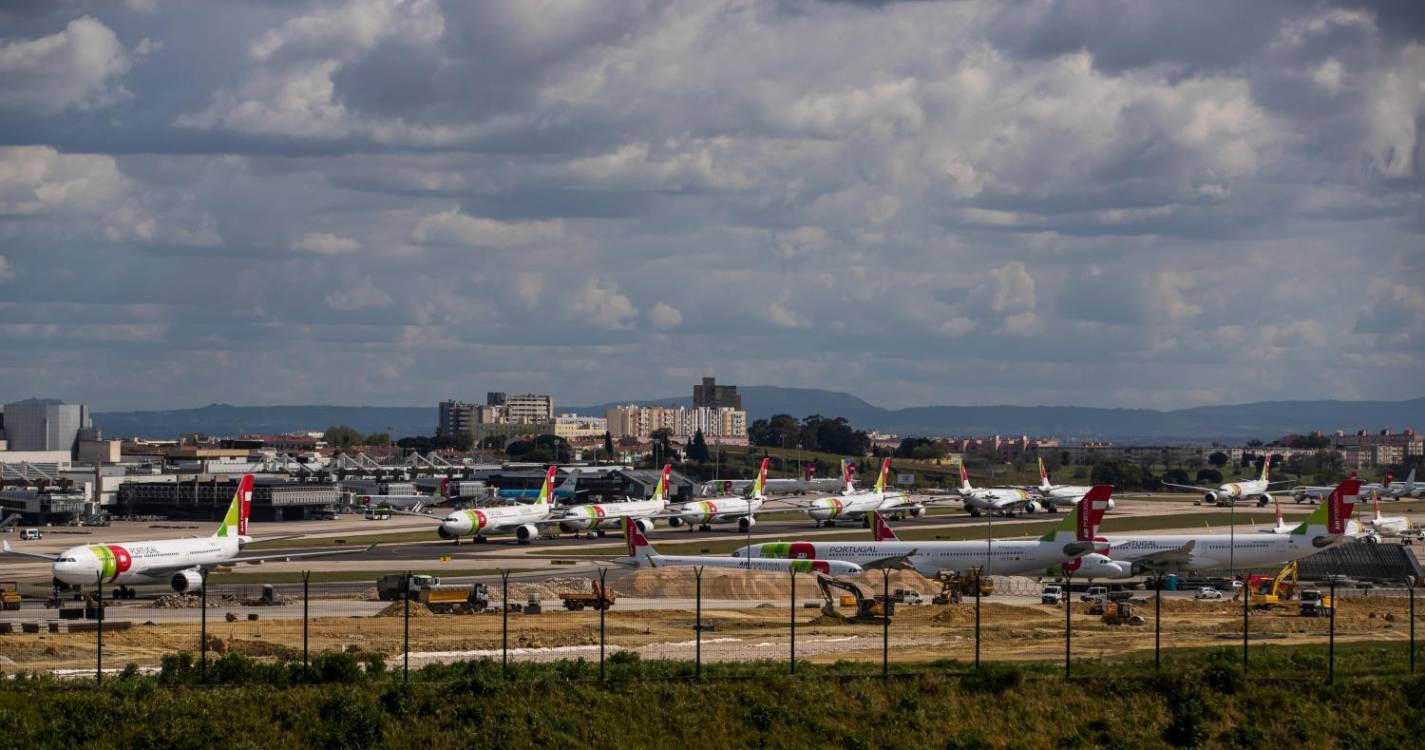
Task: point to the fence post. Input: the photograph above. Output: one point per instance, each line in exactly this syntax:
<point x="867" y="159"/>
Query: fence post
<point x="406" y="635"/>
<point x="698" y="627"/>
<point x="306" y="578"/>
<point x="1068" y="625"/>
<point x="603" y="609"/>
<point x="505" y="622"/>
<point x="99" y="652"/>
<point x="1331" y="644"/>
<point x="203" y="624"/>
<point x="1413" y="583"/>
<point x="886" y="626"/>
<point x="793" y="618"/>
<point x="1246" y="603"/>
<point x="1158" y="623"/>
<point x="979" y="583"/>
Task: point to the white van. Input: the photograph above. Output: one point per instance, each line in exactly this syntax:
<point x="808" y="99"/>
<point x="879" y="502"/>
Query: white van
<point x="30" y="534"/>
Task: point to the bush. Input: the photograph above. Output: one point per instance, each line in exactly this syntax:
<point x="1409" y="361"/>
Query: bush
<point x="993" y="677"/>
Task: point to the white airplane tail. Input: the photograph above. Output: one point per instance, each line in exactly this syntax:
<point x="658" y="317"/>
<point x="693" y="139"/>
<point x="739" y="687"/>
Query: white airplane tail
<point x="638" y="547"/>
<point x="965" y="479"/>
<point x="1044" y="484"/>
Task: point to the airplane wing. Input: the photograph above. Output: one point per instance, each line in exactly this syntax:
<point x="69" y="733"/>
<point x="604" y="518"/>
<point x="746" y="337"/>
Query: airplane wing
<point x="1283" y="481"/>
<point x="893" y="561"/>
<point x="417" y="514"/>
<point x="300" y="555"/>
<point x="1190" y="487"/>
<point x="36" y="555"/>
<point x="1168" y="557"/>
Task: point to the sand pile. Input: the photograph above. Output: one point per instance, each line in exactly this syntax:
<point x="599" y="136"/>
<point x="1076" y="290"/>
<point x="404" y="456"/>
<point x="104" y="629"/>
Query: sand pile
<point x="723" y="583"/>
<point x="398" y="609"/>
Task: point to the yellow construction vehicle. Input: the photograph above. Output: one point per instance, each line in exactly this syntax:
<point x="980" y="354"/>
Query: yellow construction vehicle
<point x="1120" y="612"/>
<point x="1273" y="593"/>
<point x="869" y="606"/>
<point x="955" y="586"/>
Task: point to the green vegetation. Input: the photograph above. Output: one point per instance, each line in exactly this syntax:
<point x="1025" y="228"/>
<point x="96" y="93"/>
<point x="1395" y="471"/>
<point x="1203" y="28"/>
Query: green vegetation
<point x="1199" y="700"/>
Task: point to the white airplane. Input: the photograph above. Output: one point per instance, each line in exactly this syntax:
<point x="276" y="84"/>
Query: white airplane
<point x="1386" y="526"/>
<point x="1058" y="549"/>
<point x="178" y="562"/>
<point x="1052" y="492"/>
<point x="1390" y="488"/>
<point x="702" y="514"/>
<point x="600" y="516"/>
<point x="403" y="502"/>
<point x="1282" y="526"/>
<point x="1233" y="492"/>
<point x="1001" y="501"/>
<point x="810" y="483"/>
<point x="1403" y="489"/>
<point x="853" y="504"/>
<point x="642" y="554"/>
<point x="1327" y="526"/>
<point x="521" y="519"/>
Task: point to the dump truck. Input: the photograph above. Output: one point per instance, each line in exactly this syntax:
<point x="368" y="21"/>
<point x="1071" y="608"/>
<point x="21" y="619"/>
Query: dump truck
<point x="954" y="586"/>
<point x="455" y="600"/>
<point x="389" y="588"/>
<point x="9" y="595"/>
<point x="1316" y="604"/>
<point x="599" y="598"/>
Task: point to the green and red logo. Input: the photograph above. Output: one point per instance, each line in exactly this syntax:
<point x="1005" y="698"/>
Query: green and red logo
<point x="113" y="560"/>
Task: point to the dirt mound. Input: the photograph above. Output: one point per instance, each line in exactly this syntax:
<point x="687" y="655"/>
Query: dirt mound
<point x="741" y="584"/>
<point x="398" y="609"/>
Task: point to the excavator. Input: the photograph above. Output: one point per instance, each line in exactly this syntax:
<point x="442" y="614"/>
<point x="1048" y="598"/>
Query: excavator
<point x="1273" y="593"/>
<point x="870" y="607"/>
<point x="955" y="587"/>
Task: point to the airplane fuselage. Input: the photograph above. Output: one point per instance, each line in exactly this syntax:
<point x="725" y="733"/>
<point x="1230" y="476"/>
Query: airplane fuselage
<point x="141" y="562"/>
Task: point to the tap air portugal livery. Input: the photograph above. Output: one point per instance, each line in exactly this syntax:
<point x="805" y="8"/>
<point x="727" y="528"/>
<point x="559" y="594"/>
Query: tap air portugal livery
<point x="1000" y="501"/>
<point x="178" y="562"/>
<point x="853" y="505"/>
<point x="1072" y="538"/>
<point x="524" y="521"/>
<point x="1052" y="493"/>
<point x="1328" y="525"/>
<point x="1282" y="527"/>
<point x="1235" y="492"/>
<point x="702" y="514"/>
<point x="602" y="516"/>
<point x="642" y="554"/>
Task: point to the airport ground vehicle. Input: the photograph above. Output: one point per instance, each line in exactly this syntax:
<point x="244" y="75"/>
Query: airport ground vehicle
<point x="1268" y="593"/>
<point x="869" y="607"/>
<point x="1094" y="592"/>
<point x="1121" y="612"/>
<point x="9" y="595"/>
<point x="28" y="535"/>
<point x="455" y="599"/>
<point x="377" y="514"/>
<point x="1052" y="594"/>
<point x="599" y="598"/>
<point x="392" y="587"/>
<point x="1207" y="592"/>
<point x="1316" y="604"/>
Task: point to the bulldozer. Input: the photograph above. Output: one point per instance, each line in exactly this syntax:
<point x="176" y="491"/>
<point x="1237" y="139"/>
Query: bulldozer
<point x="869" y="607"/>
<point x="955" y="586"/>
<point x="1120" y="612"/>
<point x="1272" y="594"/>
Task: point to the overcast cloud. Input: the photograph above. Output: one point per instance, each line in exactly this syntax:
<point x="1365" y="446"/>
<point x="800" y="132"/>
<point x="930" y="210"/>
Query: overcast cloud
<point x="397" y="201"/>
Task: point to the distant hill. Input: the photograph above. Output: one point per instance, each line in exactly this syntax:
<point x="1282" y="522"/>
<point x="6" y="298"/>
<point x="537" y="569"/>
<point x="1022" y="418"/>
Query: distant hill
<point x="1264" y="420"/>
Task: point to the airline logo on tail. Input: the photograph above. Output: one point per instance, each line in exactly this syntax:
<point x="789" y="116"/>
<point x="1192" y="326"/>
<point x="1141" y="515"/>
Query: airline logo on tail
<point x="1266" y="466"/>
<point x="964" y="479"/>
<point x="1335" y="512"/>
<point x="662" y="489"/>
<point x="848" y="474"/>
<point x="547" y="491"/>
<point x="1083" y="521"/>
<point x="235" y="521"/>
<point x="881" y="481"/>
<point x="638" y="546"/>
<point x="882" y="530"/>
<point x="1043" y="475"/>
<point x="761" y="479"/>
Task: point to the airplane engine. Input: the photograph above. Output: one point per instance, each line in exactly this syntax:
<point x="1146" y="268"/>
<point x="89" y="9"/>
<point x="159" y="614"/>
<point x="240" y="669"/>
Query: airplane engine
<point x="745" y="523"/>
<point x="675" y="522"/>
<point x="1209" y="499"/>
<point x="445" y="533"/>
<point x="1102" y="566"/>
<point x="578" y="524"/>
<point x="644" y="525"/>
<point x="185" y="581"/>
<point x="1264" y="500"/>
<point x="917" y="511"/>
<point x="1111" y="503"/>
<point x="1032" y="507"/>
<point x="526" y="533"/>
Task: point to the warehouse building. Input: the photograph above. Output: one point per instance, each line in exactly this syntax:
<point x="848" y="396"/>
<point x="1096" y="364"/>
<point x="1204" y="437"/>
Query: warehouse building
<point x="208" y="499"/>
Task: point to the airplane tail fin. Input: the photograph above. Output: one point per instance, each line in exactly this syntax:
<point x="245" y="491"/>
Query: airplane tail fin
<point x="1044" y="483"/>
<point x="883" y="532"/>
<point x="1083" y="521"/>
<point x="1335" y="513"/>
<point x="1375" y="502"/>
<point x="848" y="475"/>
<point x="1278" y="502"/>
<point x="964" y="479"/>
<point x="444" y="490"/>
<point x="761" y="479"/>
<point x="811" y="471"/>
<point x="885" y="472"/>
<point x="235" y="522"/>
<point x="660" y="492"/>
<point x="1266" y="467"/>
<point x="638" y="546"/>
<point x="546" y="492"/>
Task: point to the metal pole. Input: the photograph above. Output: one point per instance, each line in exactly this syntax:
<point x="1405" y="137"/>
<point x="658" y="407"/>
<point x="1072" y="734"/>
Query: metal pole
<point x="602" y="610"/>
<point x="793" y="618"/>
<point x="306" y="578"/>
<point x="99" y="652"/>
<point x="505" y="622"/>
<point x="1331" y="644"/>
<point x="1413" y="584"/>
<point x="698" y="628"/>
<point x="406" y="665"/>
<point x="1158" y="624"/>
<point x="886" y="626"/>
<point x="1246" y="602"/>
<point x="979" y="583"/>
<point x="203" y="624"/>
<point x="1068" y="625"/>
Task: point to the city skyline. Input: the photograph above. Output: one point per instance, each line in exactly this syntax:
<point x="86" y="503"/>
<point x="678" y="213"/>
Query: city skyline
<point x="380" y="201"/>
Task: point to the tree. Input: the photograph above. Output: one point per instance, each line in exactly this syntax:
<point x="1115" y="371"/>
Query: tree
<point x="698" y="451"/>
<point x="341" y="436"/>
<point x="1176" y="476"/>
<point x="1212" y="476"/>
<point x="609" y="444"/>
<point x="377" y="438"/>
<point x="1218" y="459"/>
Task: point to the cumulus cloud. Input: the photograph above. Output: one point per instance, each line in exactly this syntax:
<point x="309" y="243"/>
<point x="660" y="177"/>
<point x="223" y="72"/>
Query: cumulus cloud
<point x="600" y="303"/>
<point x="359" y="294"/>
<point x="80" y="67"/>
<point x="325" y="243"/>
<point x="454" y="227"/>
<point x="665" y="316"/>
<point x="6" y="272"/>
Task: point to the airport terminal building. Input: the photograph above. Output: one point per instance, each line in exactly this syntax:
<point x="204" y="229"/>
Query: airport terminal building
<point x="207" y="500"/>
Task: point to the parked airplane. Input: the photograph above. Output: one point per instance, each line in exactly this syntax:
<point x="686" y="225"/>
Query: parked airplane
<point x="702" y="514"/>
<point x="641" y="554"/>
<point x="1233" y="492"/>
<point x="1405" y="489"/>
<point x="1389" y="488"/>
<point x="1054" y="492"/>
<point x="181" y="563"/>
<point x="1001" y="501"/>
<point x="563" y="491"/>
<point x="1282" y="526"/>
<point x="809" y="483"/>
<point x="853" y="504"/>
<point x="1073" y="537"/>
<point x="523" y="520"/>
<point x="601" y="516"/>
<point x="1327" y="526"/>
<point x="403" y="502"/>
<point x="1386" y="526"/>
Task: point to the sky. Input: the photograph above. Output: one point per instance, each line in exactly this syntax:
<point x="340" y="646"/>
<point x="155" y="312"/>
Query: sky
<point x="395" y="202"/>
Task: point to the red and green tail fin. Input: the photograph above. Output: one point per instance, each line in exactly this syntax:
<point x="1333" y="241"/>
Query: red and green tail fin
<point x="1333" y="514"/>
<point x="546" y="492"/>
<point x="235" y="521"/>
<point x="882" y="530"/>
<point x="761" y="479"/>
<point x="661" y="491"/>
<point x="1083" y="521"/>
<point x="881" y="480"/>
